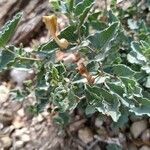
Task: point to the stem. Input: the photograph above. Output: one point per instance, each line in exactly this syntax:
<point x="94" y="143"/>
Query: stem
<point x="105" y="6"/>
<point x="9" y="50"/>
<point x="26" y="58"/>
<point x="71" y="5"/>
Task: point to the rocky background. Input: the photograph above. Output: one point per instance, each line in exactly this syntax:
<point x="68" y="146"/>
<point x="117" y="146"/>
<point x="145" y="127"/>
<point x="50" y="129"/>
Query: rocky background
<point x="20" y="130"/>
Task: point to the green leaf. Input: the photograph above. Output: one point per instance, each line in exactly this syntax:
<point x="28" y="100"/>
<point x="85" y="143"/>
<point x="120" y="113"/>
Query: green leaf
<point x="72" y="99"/>
<point x="146" y="68"/>
<point x="101" y="40"/>
<point x="147" y="83"/>
<point x="123" y="70"/>
<point x="71" y="5"/>
<point x="123" y="120"/>
<point x="55" y="4"/>
<point x="107" y="103"/>
<point x="97" y="25"/>
<point x="82" y="6"/>
<point x="132" y="87"/>
<point x="68" y="33"/>
<point x="8" y="29"/>
<point x="135" y="46"/>
<point x="90" y="109"/>
<point x="6" y="58"/>
<point x="135" y="56"/>
<point x="84" y="15"/>
<point x="112" y="18"/>
<point x="119" y="90"/>
<point x="143" y="108"/>
<point x="62" y="119"/>
<point x="113" y="147"/>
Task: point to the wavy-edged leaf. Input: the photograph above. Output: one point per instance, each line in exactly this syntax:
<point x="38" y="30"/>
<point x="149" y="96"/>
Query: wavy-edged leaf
<point x="135" y="56"/>
<point x="100" y="40"/>
<point x="123" y="70"/>
<point x="68" y="33"/>
<point x="143" y="108"/>
<point x="132" y="87"/>
<point x="107" y="103"/>
<point x="82" y="6"/>
<point x="6" y="57"/>
<point x="8" y="29"/>
<point x="112" y="18"/>
<point x="84" y="15"/>
<point x="147" y="83"/>
<point x="119" y="90"/>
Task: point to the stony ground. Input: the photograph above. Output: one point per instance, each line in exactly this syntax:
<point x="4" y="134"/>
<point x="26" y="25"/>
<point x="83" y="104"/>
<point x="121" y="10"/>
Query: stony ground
<point x="19" y="130"/>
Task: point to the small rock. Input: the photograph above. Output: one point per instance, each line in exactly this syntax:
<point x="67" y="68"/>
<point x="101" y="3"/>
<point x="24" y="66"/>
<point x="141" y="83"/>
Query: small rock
<point x="85" y="135"/>
<point x="25" y="138"/>
<point x="19" y="144"/>
<point x="7" y="141"/>
<point x="45" y="114"/>
<point x="15" y="105"/>
<point x="145" y="148"/>
<point x="76" y="125"/>
<point x="98" y="122"/>
<point x="122" y="138"/>
<point x="97" y="147"/>
<point x="21" y="112"/>
<point x="146" y="135"/>
<point x="135" y="118"/>
<point x="77" y="117"/>
<point x="148" y="18"/>
<point x="4" y="93"/>
<point x="8" y="130"/>
<point x="37" y="127"/>
<point x="1" y="126"/>
<point x="6" y="117"/>
<point x="102" y="132"/>
<point x="138" y="127"/>
<point x="80" y="148"/>
<point x="132" y="147"/>
<point x="19" y="132"/>
<point x="40" y="118"/>
<point x="34" y="121"/>
<point x="18" y="123"/>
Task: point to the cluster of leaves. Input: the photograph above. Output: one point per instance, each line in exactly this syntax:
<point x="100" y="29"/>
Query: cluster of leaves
<point x="119" y="63"/>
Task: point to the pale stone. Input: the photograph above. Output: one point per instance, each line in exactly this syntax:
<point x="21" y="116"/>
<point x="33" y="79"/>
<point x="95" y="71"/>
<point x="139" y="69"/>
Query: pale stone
<point x="132" y="147"/>
<point x="146" y="135"/>
<point x="19" y="144"/>
<point x="85" y="135"/>
<point x="7" y="141"/>
<point x="1" y="126"/>
<point x="21" y="112"/>
<point x="25" y="138"/>
<point x="138" y="127"/>
<point x="39" y="118"/>
<point x="19" y="132"/>
<point x="102" y="131"/>
<point x="98" y="122"/>
<point x="4" y="93"/>
<point x="18" y="123"/>
<point x="145" y="148"/>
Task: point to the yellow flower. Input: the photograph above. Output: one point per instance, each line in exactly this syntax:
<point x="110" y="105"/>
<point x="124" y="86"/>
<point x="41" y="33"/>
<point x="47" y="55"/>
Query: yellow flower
<point x="51" y="24"/>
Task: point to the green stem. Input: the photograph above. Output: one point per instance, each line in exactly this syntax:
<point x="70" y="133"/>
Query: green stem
<point x="9" y="50"/>
<point x="26" y="58"/>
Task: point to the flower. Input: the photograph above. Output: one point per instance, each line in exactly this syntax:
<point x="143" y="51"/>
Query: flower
<point x="51" y="24"/>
